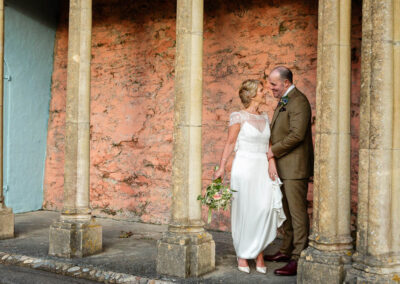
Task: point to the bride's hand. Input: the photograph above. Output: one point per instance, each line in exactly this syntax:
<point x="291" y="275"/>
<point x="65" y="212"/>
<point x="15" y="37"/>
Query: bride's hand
<point x="273" y="173"/>
<point x="219" y="173"/>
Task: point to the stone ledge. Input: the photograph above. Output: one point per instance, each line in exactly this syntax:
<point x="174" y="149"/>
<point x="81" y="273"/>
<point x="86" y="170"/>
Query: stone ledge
<point x="70" y="269"/>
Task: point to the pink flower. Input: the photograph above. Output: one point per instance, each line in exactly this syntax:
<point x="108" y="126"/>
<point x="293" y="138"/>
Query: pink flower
<point x="217" y="196"/>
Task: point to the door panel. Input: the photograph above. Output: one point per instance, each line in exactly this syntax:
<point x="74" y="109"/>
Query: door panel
<point x="29" y="43"/>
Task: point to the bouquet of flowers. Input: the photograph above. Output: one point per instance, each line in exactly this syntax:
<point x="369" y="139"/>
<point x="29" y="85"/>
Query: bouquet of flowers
<point x="217" y="196"/>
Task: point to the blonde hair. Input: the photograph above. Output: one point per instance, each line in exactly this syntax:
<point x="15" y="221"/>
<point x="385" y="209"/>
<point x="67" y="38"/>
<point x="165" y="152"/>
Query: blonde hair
<point x="248" y="90"/>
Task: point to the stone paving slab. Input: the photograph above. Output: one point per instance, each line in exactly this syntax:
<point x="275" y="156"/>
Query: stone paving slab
<point x="70" y="269"/>
<point x="131" y="259"/>
<point x="12" y="274"/>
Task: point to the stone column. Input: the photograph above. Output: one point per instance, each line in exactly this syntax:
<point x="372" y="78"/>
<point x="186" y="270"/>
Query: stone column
<point x="186" y="249"/>
<point x="377" y="258"/>
<point x="76" y="234"/>
<point x="6" y="214"/>
<point x="329" y="253"/>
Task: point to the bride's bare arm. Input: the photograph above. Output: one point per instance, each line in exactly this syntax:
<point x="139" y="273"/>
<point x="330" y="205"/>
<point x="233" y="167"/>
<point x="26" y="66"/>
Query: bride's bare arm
<point x="233" y="132"/>
<point x="272" y="171"/>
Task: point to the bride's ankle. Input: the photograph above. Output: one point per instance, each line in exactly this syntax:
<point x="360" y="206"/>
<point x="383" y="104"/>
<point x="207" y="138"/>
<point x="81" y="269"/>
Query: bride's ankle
<point x="260" y="260"/>
<point x="242" y="262"/>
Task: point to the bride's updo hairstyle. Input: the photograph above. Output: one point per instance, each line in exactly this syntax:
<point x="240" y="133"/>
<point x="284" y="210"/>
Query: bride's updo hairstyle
<point x="248" y="90"/>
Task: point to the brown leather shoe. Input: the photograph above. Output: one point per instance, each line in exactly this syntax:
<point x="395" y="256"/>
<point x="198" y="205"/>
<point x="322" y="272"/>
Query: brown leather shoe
<point x="288" y="270"/>
<point x="277" y="257"/>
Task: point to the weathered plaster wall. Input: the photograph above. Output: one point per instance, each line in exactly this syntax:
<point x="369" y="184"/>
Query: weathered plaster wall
<point x="30" y="28"/>
<point x="133" y="49"/>
<point x="245" y="39"/>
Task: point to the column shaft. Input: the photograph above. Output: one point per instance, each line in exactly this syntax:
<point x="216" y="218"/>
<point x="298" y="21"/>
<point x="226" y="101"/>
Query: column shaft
<point x="6" y="215"/>
<point x="76" y="169"/>
<point x="395" y="193"/>
<point x="330" y="240"/>
<point x="186" y="168"/>
<point x="377" y="258"/>
<point x="77" y="234"/>
<point x="186" y="249"/>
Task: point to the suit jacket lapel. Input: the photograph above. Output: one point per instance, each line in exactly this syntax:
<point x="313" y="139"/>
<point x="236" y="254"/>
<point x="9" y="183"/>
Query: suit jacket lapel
<point x="276" y="113"/>
<point x="277" y="110"/>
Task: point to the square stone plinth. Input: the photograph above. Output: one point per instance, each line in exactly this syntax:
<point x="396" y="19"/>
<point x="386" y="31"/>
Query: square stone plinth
<point x="75" y="239"/>
<point x="6" y="223"/>
<point x="317" y="266"/>
<point x="185" y="255"/>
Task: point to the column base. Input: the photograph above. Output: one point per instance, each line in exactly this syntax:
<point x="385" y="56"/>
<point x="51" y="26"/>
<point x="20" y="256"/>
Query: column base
<point x="185" y="255"/>
<point x="6" y="223"/>
<point x="317" y="266"/>
<point x="75" y="239"/>
<point x="381" y="269"/>
<point x="355" y="276"/>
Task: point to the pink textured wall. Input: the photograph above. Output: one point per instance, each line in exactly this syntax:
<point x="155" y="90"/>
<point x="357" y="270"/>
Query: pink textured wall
<point x="245" y="40"/>
<point x="133" y="49"/>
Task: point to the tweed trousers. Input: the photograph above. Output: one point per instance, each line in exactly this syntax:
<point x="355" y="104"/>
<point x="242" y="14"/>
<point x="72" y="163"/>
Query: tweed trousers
<point x="296" y="226"/>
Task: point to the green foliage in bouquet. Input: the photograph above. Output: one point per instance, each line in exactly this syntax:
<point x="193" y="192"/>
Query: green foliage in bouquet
<point x="217" y="196"/>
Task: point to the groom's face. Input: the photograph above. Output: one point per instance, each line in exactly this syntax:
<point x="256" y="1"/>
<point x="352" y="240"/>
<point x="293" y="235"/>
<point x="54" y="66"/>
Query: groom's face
<point x="277" y="85"/>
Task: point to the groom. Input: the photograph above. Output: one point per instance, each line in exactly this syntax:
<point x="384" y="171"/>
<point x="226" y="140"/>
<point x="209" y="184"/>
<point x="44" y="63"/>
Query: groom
<point x="292" y="148"/>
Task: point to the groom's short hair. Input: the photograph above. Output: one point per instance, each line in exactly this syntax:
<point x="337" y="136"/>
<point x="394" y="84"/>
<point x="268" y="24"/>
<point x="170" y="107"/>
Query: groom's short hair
<point x="284" y="73"/>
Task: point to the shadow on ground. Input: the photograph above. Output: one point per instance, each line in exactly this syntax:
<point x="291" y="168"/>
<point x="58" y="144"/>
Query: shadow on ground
<point x="135" y="253"/>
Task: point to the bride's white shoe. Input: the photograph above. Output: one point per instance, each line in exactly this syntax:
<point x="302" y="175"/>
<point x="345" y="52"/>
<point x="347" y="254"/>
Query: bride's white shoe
<point x="245" y="269"/>
<point x="262" y="270"/>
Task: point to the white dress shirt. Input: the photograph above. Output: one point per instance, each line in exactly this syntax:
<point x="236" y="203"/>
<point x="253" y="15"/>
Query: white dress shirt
<point x="288" y="90"/>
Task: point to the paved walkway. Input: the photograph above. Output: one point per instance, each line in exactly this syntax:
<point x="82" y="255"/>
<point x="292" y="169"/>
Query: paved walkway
<point x="123" y="260"/>
<point x="11" y="274"/>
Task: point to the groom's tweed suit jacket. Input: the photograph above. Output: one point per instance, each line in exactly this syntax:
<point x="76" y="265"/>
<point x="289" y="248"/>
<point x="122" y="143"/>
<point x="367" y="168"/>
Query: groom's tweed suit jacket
<point x="291" y="137"/>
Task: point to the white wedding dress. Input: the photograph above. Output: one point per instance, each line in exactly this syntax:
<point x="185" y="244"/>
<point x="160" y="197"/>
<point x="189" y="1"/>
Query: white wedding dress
<point x="256" y="211"/>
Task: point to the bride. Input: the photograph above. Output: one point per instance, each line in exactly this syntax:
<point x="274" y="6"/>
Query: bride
<point x="256" y="207"/>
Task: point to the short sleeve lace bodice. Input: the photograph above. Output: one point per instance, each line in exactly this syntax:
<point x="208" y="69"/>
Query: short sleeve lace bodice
<point x="234" y="118"/>
<point x="254" y="131"/>
<point x="259" y="121"/>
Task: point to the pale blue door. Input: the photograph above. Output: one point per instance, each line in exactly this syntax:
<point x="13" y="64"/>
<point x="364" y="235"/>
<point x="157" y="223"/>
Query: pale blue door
<point x="29" y="43"/>
<point x="6" y="120"/>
